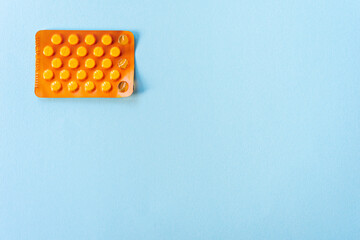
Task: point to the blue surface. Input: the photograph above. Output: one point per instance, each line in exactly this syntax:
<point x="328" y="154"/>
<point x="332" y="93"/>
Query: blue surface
<point x="245" y="125"/>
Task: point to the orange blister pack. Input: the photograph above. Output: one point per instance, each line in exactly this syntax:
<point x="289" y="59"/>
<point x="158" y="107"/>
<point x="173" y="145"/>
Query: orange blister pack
<point x="71" y="63"/>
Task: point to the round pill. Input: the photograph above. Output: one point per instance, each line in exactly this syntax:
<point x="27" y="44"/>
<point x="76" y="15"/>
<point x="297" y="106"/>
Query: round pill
<point x="73" y="39"/>
<point x="55" y="86"/>
<point x="56" y="39"/>
<point x="64" y="74"/>
<point x="123" y="39"/>
<point x="89" y="86"/>
<point x="106" y="63"/>
<point x="90" y="63"/>
<point x="105" y="86"/>
<point x="56" y="63"/>
<point x="65" y="51"/>
<point x="81" y="51"/>
<point x="98" y="51"/>
<point x="123" y="86"/>
<point x="114" y="75"/>
<point x="48" y="74"/>
<point x="73" y="63"/>
<point x="98" y="74"/>
<point x="72" y="86"/>
<point x="115" y="51"/>
<point x="89" y="39"/>
<point x="81" y="75"/>
<point x="48" y="51"/>
<point x="106" y="39"/>
<point x="123" y="63"/>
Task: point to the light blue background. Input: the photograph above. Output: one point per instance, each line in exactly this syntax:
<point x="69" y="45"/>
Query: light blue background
<point x="244" y="125"/>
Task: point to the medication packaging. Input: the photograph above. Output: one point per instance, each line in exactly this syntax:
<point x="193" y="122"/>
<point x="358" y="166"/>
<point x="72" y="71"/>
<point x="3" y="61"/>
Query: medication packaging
<point x="72" y="63"/>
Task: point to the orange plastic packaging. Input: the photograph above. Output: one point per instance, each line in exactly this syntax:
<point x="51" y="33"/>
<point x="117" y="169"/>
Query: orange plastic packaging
<point x="72" y="63"/>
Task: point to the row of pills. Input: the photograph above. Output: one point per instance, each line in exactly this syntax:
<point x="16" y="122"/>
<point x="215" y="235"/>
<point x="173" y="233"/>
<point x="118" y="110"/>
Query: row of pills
<point x="90" y="39"/>
<point x="89" y="86"/>
<point x="89" y="63"/>
<point x="48" y="74"/>
<point x="81" y="51"/>
<point x="73" y="86"/>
